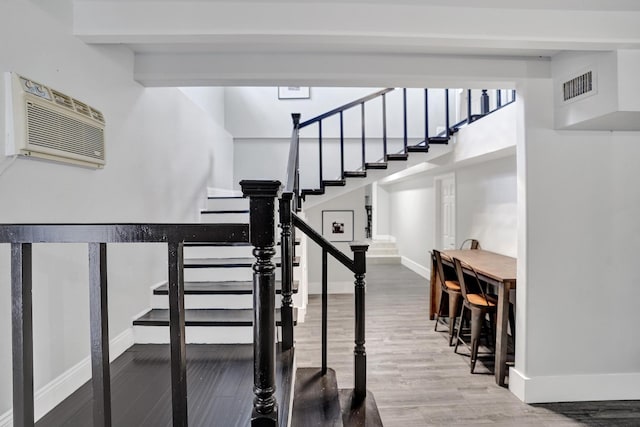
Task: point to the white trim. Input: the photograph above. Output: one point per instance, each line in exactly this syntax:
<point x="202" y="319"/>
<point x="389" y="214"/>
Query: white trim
<point x="437" y="184"/>
<point x="384" y="238"/>
<point x="574" y="388"/>
<point x="142" y="313"/>
<point x="61" y="387"/>
<point x="157" y="285"/>
<point x="416" y="268"/>
<point x="302" y="314"/>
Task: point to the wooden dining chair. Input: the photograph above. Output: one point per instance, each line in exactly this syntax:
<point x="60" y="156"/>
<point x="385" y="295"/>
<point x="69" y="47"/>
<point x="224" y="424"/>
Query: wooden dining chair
<point x="479" y="304"/>
<point x="473" y="244"/>
<point x="450" y="288"/>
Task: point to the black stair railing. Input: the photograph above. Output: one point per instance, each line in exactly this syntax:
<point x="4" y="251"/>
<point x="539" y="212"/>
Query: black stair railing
<point x="97" y="236"/>
<point x="479" y="103"/>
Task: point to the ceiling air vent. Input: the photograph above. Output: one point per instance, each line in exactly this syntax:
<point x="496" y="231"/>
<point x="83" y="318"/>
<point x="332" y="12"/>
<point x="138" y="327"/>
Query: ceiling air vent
<point x="579" y="86"/>
<point x="48" y="124"/>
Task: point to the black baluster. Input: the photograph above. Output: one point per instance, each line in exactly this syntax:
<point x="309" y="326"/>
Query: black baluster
<point x="469" y="106"/>
<point x="484" y="102"/>
<point x="324" y="311"/>
<point x="320" y="151"/>
<point x="404" y="119"/>
<point x="384" y="126"/>
<point x="286" y="256"/>
<point x="426" y="117"/>
<point x="498" y="98"/>
<point x="446" y="109"/>
<point x="341" y="146"/>
<point x="359" y="351"/>
<point x="261" y="229"/>
<point x="22" y="334"/>
<point x="363" y="139"/>
<point x="177" y="333"/>
<point x="99" y="327"/>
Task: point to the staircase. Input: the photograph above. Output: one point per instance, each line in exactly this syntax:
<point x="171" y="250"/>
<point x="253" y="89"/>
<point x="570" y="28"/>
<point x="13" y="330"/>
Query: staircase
<point x="218" y="287"/>
<point x="383" y="252"/>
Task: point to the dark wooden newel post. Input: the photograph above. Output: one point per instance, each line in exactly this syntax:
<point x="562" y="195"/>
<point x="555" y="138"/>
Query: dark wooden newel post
<point x="286" y="257"/>
<point x="261" y="230"/>
<point x="359" y="352"/>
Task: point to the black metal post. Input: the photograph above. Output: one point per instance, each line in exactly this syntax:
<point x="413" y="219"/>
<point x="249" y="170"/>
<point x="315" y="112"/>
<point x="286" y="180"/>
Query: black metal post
<point x="320" y="152"/>
<point x="426" y="117"/>
<point x="498" y="98"/>
<point x="22" y="334"/>
<point x="363" y="138"/>
<point x="286" y="256"/>
<point x="296" y="124"/>
<point x="359" y="351"/>
<point x="324" y="311"/>
<point x="177" y="334"/>
<point x="384" y="126"/>
<point x="341" y="146"/>
<point x="261" y="229"/>
<point x="484" y="102"/>
<point x="404" y="120"/>
<point x="468" y="106"/>
<point x="99" y="327"/>
<point x="446" y="109"/>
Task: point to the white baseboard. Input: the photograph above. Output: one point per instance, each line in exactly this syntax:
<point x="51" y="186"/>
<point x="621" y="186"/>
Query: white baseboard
<point x="574" y="388"/>
<point x="49" y="396"/>
<point x="417" y="268"/>
<point x="315" y="288"/>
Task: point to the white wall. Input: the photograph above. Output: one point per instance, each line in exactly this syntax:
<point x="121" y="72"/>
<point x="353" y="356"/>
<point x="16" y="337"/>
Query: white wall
<point x="578" y="289"/>
<point x="486" y="205"/>
<point x="257" y="112"/>
<point x="340" y="279"/>
<point x="162" y="153"/>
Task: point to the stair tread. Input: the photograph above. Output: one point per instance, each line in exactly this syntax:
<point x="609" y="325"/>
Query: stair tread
<point x="376" y="165"/>
<point x="228" y="262"/>
<point x="312" y="192"/>
<point x="355" y="174"/>
<point x="439" y="140"/>
<point x="204" y="317"/>
<point x="418" y="148"/>
<point x="334" y="183"/>
<point x="220" y="288"/>
<point x="397" y="156"/>
<point x="316" y="399"/>
<point x="224" y="197"/>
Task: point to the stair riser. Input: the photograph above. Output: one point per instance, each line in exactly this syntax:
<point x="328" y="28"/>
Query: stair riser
<point x="382" y="245"/>
<point x="210" y="301"/>
<point x="198" y="334"/>
<point x="220" y="274"/>
<point x="224" y="218"/>
<point x="390" y="251"/>
<point x="227" y="204"/>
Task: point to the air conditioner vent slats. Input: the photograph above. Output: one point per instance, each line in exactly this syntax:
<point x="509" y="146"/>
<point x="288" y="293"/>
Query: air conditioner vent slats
<point x="50" y="129"/>
<point x="577" y="86"/>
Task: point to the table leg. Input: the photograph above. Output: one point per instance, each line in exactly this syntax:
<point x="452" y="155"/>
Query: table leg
<point x="501" y="333"/>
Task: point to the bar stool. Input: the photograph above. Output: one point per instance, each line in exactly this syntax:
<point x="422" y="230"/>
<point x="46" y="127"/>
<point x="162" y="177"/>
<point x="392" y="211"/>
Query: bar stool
<point x="479" y="304"/>
<point x="452" y="289"/>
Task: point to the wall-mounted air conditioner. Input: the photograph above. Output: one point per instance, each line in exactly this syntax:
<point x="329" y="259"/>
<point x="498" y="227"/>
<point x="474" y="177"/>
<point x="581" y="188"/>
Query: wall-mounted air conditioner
<point x="45" y="123"/>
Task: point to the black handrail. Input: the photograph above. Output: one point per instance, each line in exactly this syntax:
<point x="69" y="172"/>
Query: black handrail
<point x="322" y="242"/>
<point x="292" y="162"/>
<point x="345" y="107"/>
<point x="23" y="236"/>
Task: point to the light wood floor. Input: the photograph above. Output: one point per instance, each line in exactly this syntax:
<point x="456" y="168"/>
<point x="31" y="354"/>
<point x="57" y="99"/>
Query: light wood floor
<point x="414" y="375"/>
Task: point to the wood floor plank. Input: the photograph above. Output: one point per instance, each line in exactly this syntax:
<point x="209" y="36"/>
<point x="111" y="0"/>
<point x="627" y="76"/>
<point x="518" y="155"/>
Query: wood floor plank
<point x="414" y="375"/>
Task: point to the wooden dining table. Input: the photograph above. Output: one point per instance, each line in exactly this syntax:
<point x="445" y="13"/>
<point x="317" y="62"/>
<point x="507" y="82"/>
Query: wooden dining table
<point x="495" y="269"/>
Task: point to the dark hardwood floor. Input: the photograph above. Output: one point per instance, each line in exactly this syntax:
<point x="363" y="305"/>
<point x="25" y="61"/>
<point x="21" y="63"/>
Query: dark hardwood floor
<point x="414" y="375"/>
<point x="219" y="381"/>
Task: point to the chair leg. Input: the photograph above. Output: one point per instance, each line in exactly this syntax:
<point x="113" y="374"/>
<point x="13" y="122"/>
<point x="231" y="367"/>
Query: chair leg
<point x="454" y="306"/>
<point x="455" y="350"/>
<point x="512" y="324"/>
<point x="476" y="327"/>
<point x="439" y="313"/>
